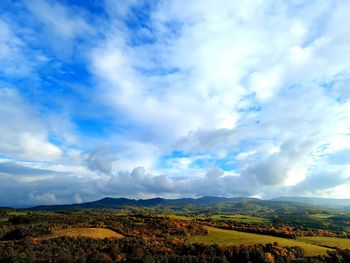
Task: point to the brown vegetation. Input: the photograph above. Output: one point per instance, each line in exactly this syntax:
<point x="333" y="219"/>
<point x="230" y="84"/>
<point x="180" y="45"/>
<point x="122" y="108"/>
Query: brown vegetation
<point x="85" y="232"/>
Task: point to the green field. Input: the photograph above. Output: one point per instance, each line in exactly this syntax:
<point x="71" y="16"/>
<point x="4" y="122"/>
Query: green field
<point x="120" y="214"/>
<point x="17" y="213"/>
<point x="3" y="219"/>
<point x="321" y="216"/>
<point x="240" y="218"/>
<point x="230" y="217"/>
<point x="328" y="241"/>
<point x="231" y="237"/>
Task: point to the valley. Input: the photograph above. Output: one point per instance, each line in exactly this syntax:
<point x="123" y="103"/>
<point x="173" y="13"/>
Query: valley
<point x="204" y="230"/>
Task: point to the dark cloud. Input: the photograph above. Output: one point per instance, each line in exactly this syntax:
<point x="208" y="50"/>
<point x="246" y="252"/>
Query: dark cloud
<point x="17" y="169"/>
<point x="321" y="181"/>
<point x="137" y="182"/>
<point x="274" y="169"/>
<point x="99" y="160"/>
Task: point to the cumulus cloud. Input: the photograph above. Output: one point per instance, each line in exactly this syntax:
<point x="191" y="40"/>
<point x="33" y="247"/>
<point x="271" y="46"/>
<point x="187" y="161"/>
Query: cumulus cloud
<point x="11" y="167"/>
<point x="77" y="199"/>
<point x="25" y="135"/>
<point x="137" y="181"/>
<point x="223" y="58"/>
<point x="278" y="167"/>
<point x="322" y="181"/>
<point x="98" y="160"/>
<point x="45" y="198"/>
<point x="35" y="183"/>
<point x="59" y="19"/>
<point x="64" y="26"/>
<point x="202" y="98"/>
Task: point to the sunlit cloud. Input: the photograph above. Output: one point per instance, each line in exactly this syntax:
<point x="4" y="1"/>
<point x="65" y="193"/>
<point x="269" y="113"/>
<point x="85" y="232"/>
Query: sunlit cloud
<point x="173" y="98"/>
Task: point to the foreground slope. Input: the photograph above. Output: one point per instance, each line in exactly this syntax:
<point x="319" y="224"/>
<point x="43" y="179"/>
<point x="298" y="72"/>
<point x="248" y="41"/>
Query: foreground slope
<point x="235" y="238"/>
<point x="343" y="243"/>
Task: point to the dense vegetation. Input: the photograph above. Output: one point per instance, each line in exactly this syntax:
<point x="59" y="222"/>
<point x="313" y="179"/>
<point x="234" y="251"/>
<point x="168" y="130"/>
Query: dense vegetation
<point x="188" y="233"/>
<point x="140" y="250"/>
<point x="273" y="229"/>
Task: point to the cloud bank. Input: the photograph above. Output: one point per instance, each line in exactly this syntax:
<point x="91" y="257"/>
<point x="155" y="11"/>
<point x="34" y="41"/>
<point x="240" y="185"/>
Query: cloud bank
<point x="173" y="98"/>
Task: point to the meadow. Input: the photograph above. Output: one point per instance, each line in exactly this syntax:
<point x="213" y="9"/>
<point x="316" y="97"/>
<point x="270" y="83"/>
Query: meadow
<point x="234" y="238"/>
<point x="236" y="217"/>
<point x="343" y="243"/>
<point x="17" y="213"/>
<point x="240" y="218"/>
<point x="85" y="232"/>
<point x="234" y="230"/>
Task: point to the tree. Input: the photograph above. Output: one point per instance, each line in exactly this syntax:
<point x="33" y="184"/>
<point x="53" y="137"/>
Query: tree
<point x="269" y="258"/>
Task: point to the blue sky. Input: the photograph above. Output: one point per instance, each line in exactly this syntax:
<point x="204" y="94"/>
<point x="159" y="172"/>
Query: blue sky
<point x="173" y="98"/>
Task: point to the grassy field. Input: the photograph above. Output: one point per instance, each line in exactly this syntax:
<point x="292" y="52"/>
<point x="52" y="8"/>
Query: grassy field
<point x="240" y="218"/>
<point x="86" y="232"/>
<point x="231" y="237"/>
<point x="321" y="216"/>
<point x="3" y="219"/>
<point x="231" y="217"/>
<point x="17" y="213"/>
<point x="120" y="214"/>
<point x="328" y="241"/>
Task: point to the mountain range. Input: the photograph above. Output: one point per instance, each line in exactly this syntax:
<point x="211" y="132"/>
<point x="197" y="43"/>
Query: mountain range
<point x="109" y="202"/>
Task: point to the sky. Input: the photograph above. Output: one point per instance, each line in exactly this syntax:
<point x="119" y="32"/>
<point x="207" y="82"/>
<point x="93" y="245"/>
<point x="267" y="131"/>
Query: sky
<point x="141" y="99"/>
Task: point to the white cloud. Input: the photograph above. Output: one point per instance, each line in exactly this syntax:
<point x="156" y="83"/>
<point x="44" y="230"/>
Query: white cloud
<point x="341" y="89"/>
<point x="244" y="155"/>
<point x="259" y="87"/>
<point x="25" y="134"/>
<point x="216" y="55"/>
<point x="58" y="19"/>
<point x="45" y="198"/>
<point x="286" y="167"/>
<point x="77" y="199"/>
<point x="13" y="61"/>
<point x="53" y="33"/>
<point x="223" y="78"/>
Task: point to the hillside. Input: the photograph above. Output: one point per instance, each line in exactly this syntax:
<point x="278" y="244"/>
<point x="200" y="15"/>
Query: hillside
<point x="109" y="202"/>
<point x="225" y="204"/>
<point x="315" y="201"/>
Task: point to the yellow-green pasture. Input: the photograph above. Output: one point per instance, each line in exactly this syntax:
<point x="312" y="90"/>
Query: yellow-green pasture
<point x="321" y="216"/>
<point x="3" y="219"/>
<point x="328" y="241"/>
<point x="240" y="218"/>
<point x="16" y="213"/>
<point x="234" y="238"/>
<point x="230" y="217"/>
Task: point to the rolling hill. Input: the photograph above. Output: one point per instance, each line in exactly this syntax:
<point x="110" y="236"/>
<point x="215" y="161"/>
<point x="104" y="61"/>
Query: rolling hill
<point x="315" y="201"/>
<point x="292" y="203"/>
<point x="109" y="202"/>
